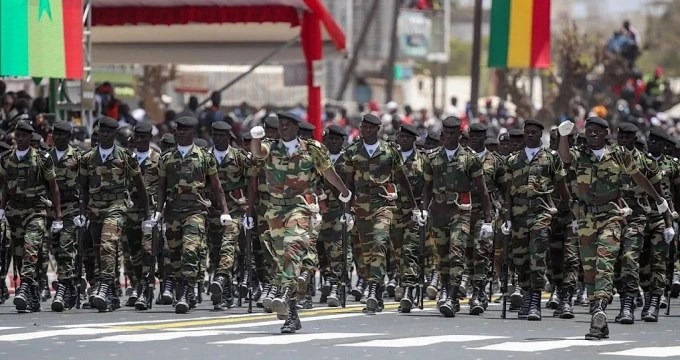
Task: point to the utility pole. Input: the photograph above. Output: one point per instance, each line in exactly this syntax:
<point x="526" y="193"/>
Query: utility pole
<point x="476" y="54"/>
<point x="394" y="46"/>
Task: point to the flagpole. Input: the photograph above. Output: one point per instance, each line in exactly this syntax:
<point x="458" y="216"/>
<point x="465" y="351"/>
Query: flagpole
<point x="476" y="55"/>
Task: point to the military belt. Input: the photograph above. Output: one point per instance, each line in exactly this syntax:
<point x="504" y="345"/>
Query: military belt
<point x="264" y="196"/>
<point x="599" y="209"/>
<point x="528" y="202"/>
<point x="285" y="201"/>
<point x="449" y="197"/>
<point x="68" y="196"/>
<point x="375" y="190"/>
<point x="185" y="197"/>
<point x="23" y="199"/>
<point x="108" y="196"/>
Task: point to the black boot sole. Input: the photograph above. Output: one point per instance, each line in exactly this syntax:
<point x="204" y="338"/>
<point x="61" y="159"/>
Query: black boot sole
<point x="57" y="306"/>
<point x="675" y="290"/>
<point x="20" y="303"/>
<point x="447" y="311"/>
<point x="406" y="305"/>
<point x="651" y="318"/>
<point x="516" y="301"/>
<point x="181" y="308"/>
<point x="534" y="317"/>
<point x="371" y="305"/>
<point x="215" y="293"/>
<point x="598" y="321"/>
<point x="567" y="315"/>
<point x="280" y="307"/>
<point x="141" y="306"/>
<point x="477" y="310"/>
<point x="100" y="304"/>
<point x="333" y="302"/>
<point x="166" y="300"/>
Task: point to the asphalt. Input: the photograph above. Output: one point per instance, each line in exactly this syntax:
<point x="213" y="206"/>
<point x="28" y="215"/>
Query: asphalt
<point x="327" y="333"/>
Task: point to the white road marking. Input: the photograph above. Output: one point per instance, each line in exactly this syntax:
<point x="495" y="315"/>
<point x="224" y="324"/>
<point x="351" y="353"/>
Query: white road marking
<point x="422" y="341"/>
<point x="533" y="346"/>
<point x="53" y="333"/>
<point x="164" y="336"/>
<point x="656" y="352"/>
<point x="268" y="323"/>
<point x="293" y="339"/>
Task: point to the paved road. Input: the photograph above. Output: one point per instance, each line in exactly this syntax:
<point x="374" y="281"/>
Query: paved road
<point x="326" y="334"/>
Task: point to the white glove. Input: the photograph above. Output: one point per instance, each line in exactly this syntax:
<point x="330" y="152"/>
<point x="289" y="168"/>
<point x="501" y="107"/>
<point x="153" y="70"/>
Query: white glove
<point x="626" y="212"/>
<point x="422" y="219"/>
<point x="80" y="221"/>
<point x="415" y="215"/>
<point x="225" y="219"/>
<point x="565" y="128"/>
<point x="486" y="230"/>
<point x="668" y="235"/>
<point x="147" y="226"/>
<point x="316" y="220"/>
<point x="57" y="226"/>
<point x="505" y="228"/>
<point x="574" y="226"/>
<point x="257" y="132"/>
<point x="675" y="215"/>
<point x="349" y="219"/>
<point x="156" y="217"/>
<point x="2" y="214"/>
<point x="248" y="222"/>
<point x="663" y="207"/>
<point x="345" y="199"/>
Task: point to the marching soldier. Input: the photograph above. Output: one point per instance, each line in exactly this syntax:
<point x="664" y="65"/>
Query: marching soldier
<point x="232" y="170"/>
<point x="106" y="175"/>
<point x="140" y="242"/>
<point x="288" y="166"/>
<point x="66" y="160"/>
<point x="28" y="175"/>
<point x="600" y="171"/>
<point x="183" y="175"/>
<point x="450" y="173"/>
<point x="533" y="173"/>
<point x="373" y="167"/>
<point x="479" y="249"/>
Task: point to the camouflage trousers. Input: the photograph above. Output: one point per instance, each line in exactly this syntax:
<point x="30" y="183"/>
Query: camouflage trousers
<point x="186" y="238"/>
<point x="107" y="229"/>
<point x="27" y="229"/>
<point x="64" y="243"/>
<point x="290" y="233"/>
<point x="222" y="242"/>
<point x="139" y="246"/>
<point x="406" y="248"/>
<point x="371" y="235"/>
<point x="627" y="267"/>
<point x="329" y="246"/>
<point x="564" y="257"/>
<point x="654" y="257"/>
<point x="599" y="242"/>
<point x="310" y="261"/>
<point x="450" y="232"/>
<point x="478" y="250"/>
<point x="263" y="248"/>
<point x="530" y="242"/>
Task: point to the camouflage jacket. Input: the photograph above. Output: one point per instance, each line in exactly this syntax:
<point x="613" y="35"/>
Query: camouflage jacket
<point x="233" y="174"/>
<point x="631" y="192"/>
<point x="493" y="169"/>
<point x="26" y="179"/>
<point x="149" y="169"/>
<point x="599" y="182"/>
<point x="287" y="177"/>
<point x="108" y="182"/>
<point x="451" y="176"/>
<point x="66" y="170"/>
<point x="372" y="174"/>
<point x="535" y="178"/>
<point x="186" y="179"/>
<point x="414" y="167"/>
<point x="669" y="172"/>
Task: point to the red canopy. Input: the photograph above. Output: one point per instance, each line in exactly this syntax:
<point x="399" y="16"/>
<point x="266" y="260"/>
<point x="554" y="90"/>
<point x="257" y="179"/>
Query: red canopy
<point x="311" y="15"/>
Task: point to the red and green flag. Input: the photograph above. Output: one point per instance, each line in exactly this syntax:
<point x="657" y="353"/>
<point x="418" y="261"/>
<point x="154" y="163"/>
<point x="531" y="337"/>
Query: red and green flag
<point x="520" y="34"/>
<point x="41" y="38"/>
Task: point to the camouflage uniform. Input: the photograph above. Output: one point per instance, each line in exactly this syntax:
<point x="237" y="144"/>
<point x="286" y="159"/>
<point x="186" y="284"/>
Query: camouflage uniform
<point x="374" y="213"/>
<point x="27" y="203"/>
<point x="107" y="183"/>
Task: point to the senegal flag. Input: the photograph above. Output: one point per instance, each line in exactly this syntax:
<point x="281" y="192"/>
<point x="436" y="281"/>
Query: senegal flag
<point x="41" y="38"/>
<point x="520" y="34"/>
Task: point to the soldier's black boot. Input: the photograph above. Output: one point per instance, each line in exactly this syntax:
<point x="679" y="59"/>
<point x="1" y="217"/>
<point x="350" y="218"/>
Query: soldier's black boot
<point x="391" y="286"/>
<point x="433" y="287"/>
<point x="219" y="282"/>
<point x="333" y="298"/>
<point x="534" y="313"/>
<point x="265" y="291"/>
<point x="36" y="298"/>
<point x="292" y="323"/>
<point x="581" y="295"/>
<point x="182" y="293"/>
<point x="267" y="301"/>
<point x="60" y="296"/>
<point x="358" y="290"/>
<point x="627" y="310"/>
<point x="379" y="296"/>
<point x="598" y="322"/>
<point x="168" y="297"/>
<point x="134" y="292"/>
<point x="227" y="297"/>
<point x="100" y="300"/>
<point x="516" y="299"/>
<point x="4" y="291"/>
<point x="443" y="295"/>
<point x="675" y="285"/>
<point x="191" y="294"/>
<point x="372" y="298"/>
<point x="526" y="302"/>
<point x="407" y="301"/>
<point x="144" y="295"/>
<point x="280" y="304"/>
<point x="451" y="305"/>
<point x="647" y="302"/>
<point x="554" y="301"/>
<point x="567" y="304"/>
<point x="653" y="312"/>
<point x="476" y="301"/>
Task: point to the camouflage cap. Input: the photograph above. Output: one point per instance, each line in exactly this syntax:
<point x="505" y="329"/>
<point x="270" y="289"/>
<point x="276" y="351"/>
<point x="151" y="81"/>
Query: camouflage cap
<point x="491" y="141"/>
<point x="410" y="129"/>
<point x="371" y="119"/>
<point x="307" y="126"/>
<point x="628" y="128"/>
<point x="479" y="127"/>
<point x="221" y="126"/>
<point x="534" y="123"/>
<point x="202" y="143"/>
<point x="143" y="128"/>
<point x="290" y="116"/>
<point x="108" y="123"/>
<point x="451" y="122"/>
<point x="659" y="133"/>
<point x="432" y="136"/>
<point x="516" y="133"/>
<point x="64" y="126"/>
<point x="272" y="121"/>
<point x="335" y="130"/>
<point x="187" y="122"/>
<point x="597" y="121"/>
<point x="168" y="139"/>
<point x="36" y="137"/>
<point x="24" y="126"/>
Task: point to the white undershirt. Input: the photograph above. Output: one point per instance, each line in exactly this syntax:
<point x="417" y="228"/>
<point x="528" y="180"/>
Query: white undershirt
<point x="141" y="156"/>
<point x="22" y="153"/>
<point x="451" y="153"/>
<point x="370" y="149"/>
<point x="656" y="158"/>
<point x="184" y="150"/>
<point x="220" y="155"/>
<point x="599" y="153"/>
<point x="105" y="152"/>
<point x="481" y="154"/>
<point x="406" y="154"/>
<point x="60" y="154"/>
<point x="291" y="146"/>
<point x="335" y="157"/>
<point x="531" y="152"/>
